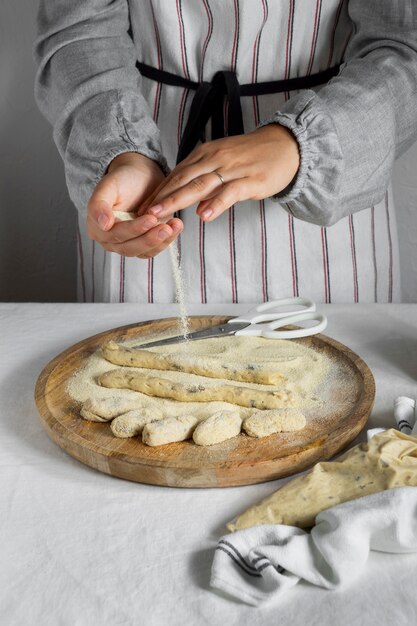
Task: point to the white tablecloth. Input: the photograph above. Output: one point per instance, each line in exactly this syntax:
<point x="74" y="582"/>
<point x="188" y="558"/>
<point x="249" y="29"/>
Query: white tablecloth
<point x="81" y="548"/>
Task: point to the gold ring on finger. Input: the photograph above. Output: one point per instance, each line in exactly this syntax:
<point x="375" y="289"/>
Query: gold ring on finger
<point x="220" y="176"/>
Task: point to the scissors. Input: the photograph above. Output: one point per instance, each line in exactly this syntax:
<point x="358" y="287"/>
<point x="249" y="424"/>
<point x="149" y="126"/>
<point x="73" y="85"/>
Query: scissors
<point x="264" y="320"/>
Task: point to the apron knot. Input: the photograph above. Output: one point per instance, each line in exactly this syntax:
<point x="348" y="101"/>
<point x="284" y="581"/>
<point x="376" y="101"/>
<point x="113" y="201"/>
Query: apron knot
<point x="209" y="102"/>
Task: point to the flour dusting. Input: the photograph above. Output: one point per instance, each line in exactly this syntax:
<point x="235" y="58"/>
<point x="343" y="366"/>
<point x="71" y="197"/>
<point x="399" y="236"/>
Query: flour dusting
<point x="184" y="322"/>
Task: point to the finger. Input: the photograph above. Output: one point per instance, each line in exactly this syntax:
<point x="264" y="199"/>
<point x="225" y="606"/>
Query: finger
<point x="177" y="227"/>
<point x="173" y="176"/>
<point x="176" y="178"/>
<point x="150" y="243"/>
<point x="101" y="203"/>
<point x="121" y="231"/>
<point x="196" y="190"/>
<point x="235" y="191"/>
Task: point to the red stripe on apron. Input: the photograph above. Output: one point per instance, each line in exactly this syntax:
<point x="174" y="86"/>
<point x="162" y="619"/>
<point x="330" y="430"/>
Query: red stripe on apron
<point x="389" y="248"/>
<point x="354" y="267"/>
<point x="374" y="254"/>
<point x="255" y="64"/>
<point x="81" y="255"/>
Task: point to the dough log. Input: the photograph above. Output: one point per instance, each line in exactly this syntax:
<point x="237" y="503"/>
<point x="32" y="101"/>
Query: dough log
<point x="164" y="388"/>
<point x="206" y="366"/>
<point x="105" y="409"/>
<point x="264" y="423"/>
<point x="217" y="428"/>
<point x="133" y="422"/>
<point x="169" y="430"/>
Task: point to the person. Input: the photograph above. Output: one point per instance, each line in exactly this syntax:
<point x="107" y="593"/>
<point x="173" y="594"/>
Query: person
<point x="258" y="134"/>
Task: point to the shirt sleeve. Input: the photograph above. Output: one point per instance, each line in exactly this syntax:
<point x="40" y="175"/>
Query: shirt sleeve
<point x="351" y="130"/>
<point x="89" y="89"/>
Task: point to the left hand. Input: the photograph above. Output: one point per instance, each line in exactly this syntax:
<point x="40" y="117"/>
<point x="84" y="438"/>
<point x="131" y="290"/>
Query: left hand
<point x="253" y="166"/>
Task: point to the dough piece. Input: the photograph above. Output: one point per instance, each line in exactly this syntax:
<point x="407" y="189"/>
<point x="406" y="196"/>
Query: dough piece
<point x="164" y="388"/>
<point x="206" y="366"/>
<point x="264" y="423"/>
<point x="388" y="460"/>
<point x="169" y="430"/>
<point x="218" y="427"/>
<point x="133" y="422"/>
<point x="105" y="409"/>
<point x="125" y="216"/>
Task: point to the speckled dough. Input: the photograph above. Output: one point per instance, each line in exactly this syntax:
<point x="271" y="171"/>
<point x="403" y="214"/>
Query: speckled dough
<point x="132" y="423"/>
<point x="265" y="423"/>
<point x="213" y="368"/>
<point x="169" y="430"/>
<point x="105" y="409"/>
<point x="164" y="388"/>
<point x="217" y="428"/>
<point x="388" y="460"/>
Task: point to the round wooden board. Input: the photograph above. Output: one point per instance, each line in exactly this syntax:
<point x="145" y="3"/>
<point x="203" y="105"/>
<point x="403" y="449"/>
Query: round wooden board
<point x="239" y="461"/>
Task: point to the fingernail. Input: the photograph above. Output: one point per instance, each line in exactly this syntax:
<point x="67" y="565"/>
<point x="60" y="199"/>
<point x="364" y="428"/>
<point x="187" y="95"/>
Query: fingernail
<point x="103" y="221"/>
<point x="164" y="234"/>
<point x="176" y="227"/>
<point x="206" y="213"/>
<point x="148" y="224"/>
<point x="155" y="209"/>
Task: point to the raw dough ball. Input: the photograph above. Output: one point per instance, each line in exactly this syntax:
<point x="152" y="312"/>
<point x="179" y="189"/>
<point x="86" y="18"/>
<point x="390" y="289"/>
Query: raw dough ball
<point x="264" y="423"/>
<point x="218" y="427"/>
<point x="105" y="409"/>
<point x="132" y="423"/>
<point x="169" y="430"/>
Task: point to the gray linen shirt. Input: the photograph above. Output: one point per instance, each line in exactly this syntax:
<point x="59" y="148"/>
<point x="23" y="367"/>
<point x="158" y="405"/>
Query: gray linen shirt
<point x="350" y="131"/>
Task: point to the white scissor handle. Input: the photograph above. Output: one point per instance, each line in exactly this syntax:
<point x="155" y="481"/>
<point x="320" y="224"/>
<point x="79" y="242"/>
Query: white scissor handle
<point x="257" y="315"/>
<point x="269" y="331"/>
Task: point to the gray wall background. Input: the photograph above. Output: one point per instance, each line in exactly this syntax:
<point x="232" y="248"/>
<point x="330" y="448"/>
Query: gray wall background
<point x="37" y="219"/>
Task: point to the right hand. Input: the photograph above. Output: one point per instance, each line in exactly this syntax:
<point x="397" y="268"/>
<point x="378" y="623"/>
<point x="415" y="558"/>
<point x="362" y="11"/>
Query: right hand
<point x="129" y="180"/>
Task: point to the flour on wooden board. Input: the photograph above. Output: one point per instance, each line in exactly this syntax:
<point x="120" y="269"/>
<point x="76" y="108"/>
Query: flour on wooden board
<point x="311" y="376"/>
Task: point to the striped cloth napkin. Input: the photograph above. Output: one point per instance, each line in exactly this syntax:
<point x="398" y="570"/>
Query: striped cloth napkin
<point x="261" y="563"/>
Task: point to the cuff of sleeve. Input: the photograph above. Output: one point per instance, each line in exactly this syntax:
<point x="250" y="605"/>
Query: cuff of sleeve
<point x="126" y="146"/>
<point x="312" y="193"/>
<point x="109" y="124"/>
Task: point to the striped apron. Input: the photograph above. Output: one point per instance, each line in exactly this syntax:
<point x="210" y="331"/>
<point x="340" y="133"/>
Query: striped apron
<point x="255" y="251"/>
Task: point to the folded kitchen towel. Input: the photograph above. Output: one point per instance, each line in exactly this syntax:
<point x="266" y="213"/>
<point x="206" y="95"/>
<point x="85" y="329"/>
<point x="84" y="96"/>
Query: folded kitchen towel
<point x="404" y="414"/>
<point x="260" y="563"/>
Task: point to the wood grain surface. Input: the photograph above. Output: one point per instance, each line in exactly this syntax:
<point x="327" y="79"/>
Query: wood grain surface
<point x="238" y="461"/>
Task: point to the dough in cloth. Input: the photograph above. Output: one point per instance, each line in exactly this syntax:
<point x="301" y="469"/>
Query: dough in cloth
<point x="388" y="460"/>
<point x="211" y="367"/>
<point x="164" y="388"/>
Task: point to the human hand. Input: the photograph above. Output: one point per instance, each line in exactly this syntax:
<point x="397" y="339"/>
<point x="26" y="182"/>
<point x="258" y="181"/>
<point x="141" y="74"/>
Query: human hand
<point x="253" y="166"/>
<point x="130" y="178"/>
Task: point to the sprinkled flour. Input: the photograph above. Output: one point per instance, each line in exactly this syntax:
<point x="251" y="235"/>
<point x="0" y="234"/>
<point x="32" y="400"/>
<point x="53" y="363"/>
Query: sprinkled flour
<point x="184" y="322"/>
<point x="304" y="368"/>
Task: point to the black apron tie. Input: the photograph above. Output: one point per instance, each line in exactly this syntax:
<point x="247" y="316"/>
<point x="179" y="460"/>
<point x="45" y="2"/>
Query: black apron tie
<point x="208" y="101"/>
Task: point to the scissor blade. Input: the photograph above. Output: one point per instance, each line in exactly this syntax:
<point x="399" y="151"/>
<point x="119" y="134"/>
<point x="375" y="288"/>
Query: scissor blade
<point x="207" y="333"/>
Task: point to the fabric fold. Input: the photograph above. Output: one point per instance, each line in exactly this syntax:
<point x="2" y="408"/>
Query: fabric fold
<point x="262" y="563"/>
